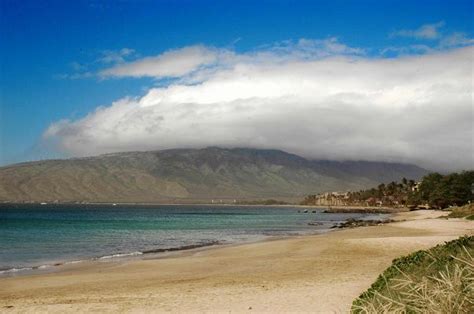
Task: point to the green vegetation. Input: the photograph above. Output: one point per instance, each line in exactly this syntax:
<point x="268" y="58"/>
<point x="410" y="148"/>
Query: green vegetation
<point x="442" y="191"/>
<point x="462" y="211"/>
<point x="434" y="191"/>
<point x="390" y="194"/>
<point x="439" y="280"/>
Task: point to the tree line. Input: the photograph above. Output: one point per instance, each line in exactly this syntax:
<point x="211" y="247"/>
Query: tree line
<point x="435" y="190"/>
<point x="441" y="191"/>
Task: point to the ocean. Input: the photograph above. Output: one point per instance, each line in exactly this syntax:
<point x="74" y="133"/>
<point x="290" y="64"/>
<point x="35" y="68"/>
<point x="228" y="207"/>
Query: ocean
<point x="36" y="237"/>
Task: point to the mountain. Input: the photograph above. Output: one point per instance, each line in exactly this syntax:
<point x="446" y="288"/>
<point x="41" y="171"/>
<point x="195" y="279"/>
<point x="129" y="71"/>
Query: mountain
<point x="191" y="175"/>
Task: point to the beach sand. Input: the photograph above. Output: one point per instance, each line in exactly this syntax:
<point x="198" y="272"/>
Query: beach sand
<point x="321" y="273"/>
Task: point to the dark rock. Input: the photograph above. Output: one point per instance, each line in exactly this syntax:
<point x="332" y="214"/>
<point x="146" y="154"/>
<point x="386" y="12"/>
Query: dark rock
<point x="353" y="223"/>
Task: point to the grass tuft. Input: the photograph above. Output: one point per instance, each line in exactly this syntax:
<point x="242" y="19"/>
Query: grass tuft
<point x="439" y="280"/>
<point x="462" y="211"/>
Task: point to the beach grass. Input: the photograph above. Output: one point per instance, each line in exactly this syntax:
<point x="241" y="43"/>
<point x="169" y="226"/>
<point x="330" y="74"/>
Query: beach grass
<point x="438" y="280"/>
<point x="466" y="211"/>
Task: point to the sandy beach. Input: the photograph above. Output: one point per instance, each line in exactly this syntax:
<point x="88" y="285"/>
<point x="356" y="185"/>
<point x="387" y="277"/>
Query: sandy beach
<point x="321" y="273"/>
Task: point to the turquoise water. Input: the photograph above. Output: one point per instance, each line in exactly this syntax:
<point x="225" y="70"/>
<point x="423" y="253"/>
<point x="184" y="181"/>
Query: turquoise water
<point x="41" y="236"/>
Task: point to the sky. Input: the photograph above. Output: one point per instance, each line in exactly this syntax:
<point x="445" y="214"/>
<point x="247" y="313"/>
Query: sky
<point x="341" y="80"/>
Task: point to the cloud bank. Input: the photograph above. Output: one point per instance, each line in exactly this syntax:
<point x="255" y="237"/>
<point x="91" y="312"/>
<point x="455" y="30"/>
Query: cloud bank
<point x="318" y="98"/>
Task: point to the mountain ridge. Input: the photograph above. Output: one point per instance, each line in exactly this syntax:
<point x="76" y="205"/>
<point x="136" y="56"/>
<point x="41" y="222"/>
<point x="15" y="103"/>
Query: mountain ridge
<point x="187" y="175"/>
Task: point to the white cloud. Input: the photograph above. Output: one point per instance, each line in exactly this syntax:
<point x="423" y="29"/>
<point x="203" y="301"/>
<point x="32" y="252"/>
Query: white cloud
<point x="440" y="41"/>
<point x="116" y="56"/>
<point x="321" y="99"/>
<point x="173" y="63"/>
<point x="407" y="50"/>
<point x="75" y="76"/>
<point x="426" y="31"/>
<point x="456" y="40"/>
<point x="185" y="61"/>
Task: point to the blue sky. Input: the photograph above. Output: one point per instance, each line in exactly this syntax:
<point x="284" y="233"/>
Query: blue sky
<point x="52" y="53"/>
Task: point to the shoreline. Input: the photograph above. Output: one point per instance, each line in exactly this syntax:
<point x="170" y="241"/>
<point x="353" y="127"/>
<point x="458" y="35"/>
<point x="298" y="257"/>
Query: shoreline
<point x="153" y="254"/>
<point x="53" y="266"/>
<point x="323" y="272"/>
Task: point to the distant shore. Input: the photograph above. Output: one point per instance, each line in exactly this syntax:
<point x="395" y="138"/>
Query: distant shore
<point x="304" y="274"/>
<point x="328" y="209"/>
<point x="5" y="203"/>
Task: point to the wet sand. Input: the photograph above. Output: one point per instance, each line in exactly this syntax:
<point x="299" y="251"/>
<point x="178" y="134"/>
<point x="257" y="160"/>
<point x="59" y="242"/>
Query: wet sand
<point x="321" y="273"/>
